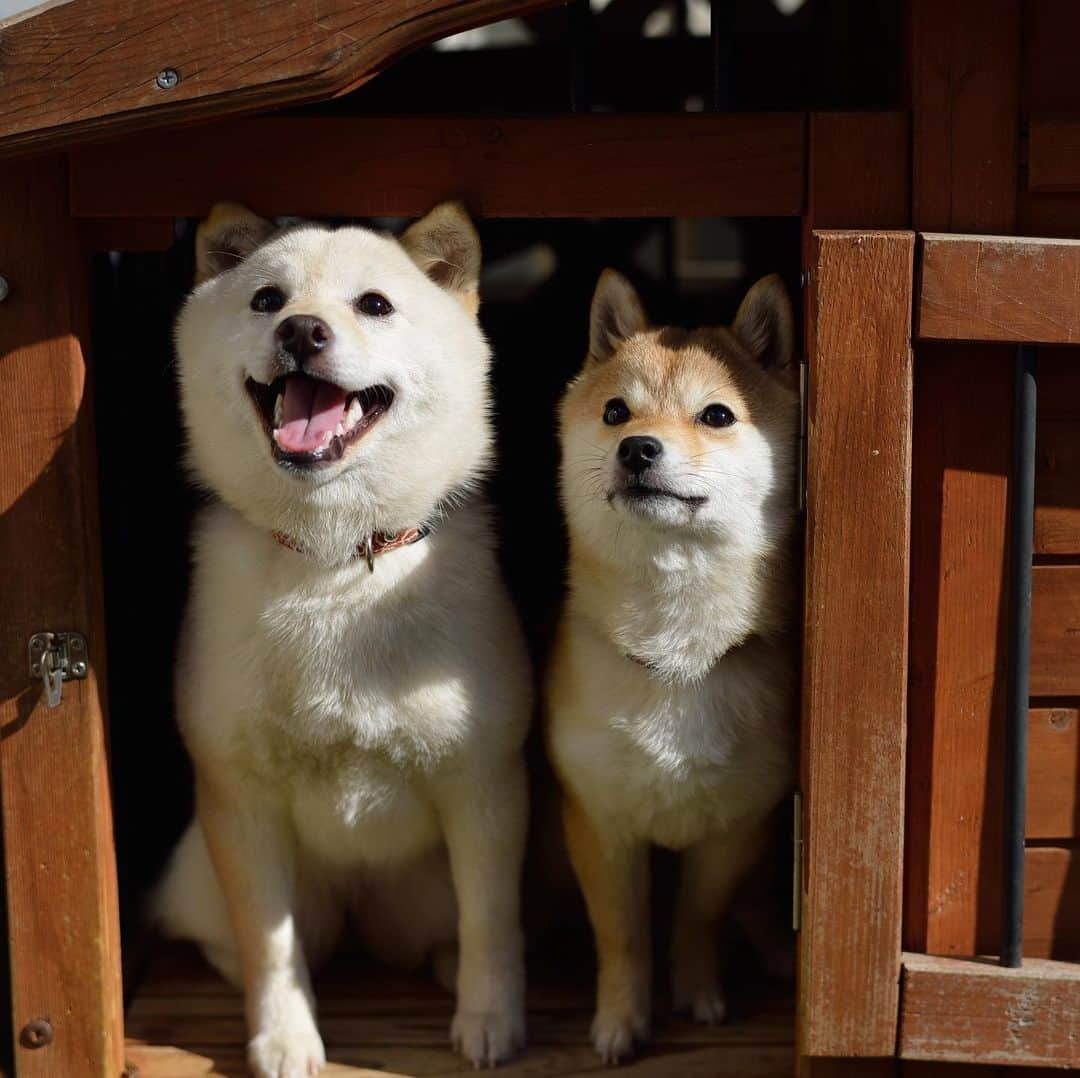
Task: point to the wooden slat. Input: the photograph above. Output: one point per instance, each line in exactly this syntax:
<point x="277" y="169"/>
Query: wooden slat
<point x="1053" y="788"/>
<point x="184" y="1021"/>
<point x="963" y="82"/>
<point x="622" y="166"/>
<point x="858" y="173"/>
<point x="58" y="838"/>
<point x="1057" y="465"/>
<point x="127" y="233"/>
<point x="962" y="455"/>
<point x="999" y="288"/>
<point x="1054" y="154"/>
<point x="1052" y="903"/>
<point x="963" y="76"/>
<point x="855" y="641"/>
<point x="87" y="68"/>
<point x="974" y="1011"/>
<point x="1055" y="630"/>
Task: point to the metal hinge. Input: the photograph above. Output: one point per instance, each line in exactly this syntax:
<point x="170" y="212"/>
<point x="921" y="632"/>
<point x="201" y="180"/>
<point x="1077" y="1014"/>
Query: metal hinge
<point x="804" y="397"/>
<point x="796" y="863"/>
<point x="56" y="658"/>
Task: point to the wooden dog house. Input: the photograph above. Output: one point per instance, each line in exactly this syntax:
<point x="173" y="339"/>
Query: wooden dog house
<point x="116" y="119"/>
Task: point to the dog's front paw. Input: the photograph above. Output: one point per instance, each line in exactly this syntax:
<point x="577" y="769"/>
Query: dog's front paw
<point x="487" y="1038"/>
<point x="706" y="1005"/>
<point x="287" y="1053"/>
<point x="615" y="1034"/>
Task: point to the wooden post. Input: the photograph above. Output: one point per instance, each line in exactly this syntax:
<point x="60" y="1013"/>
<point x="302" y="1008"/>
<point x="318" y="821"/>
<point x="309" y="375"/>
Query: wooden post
<point x="63" y="919"/>
<point x="855" y="641"/>
<point x="964" y="75"/>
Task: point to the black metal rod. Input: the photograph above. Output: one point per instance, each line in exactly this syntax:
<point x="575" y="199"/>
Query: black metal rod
<point x="721" y="26"/>
<point x="1021" y="530"/>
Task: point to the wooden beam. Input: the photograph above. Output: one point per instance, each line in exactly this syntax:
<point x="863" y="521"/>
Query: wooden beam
<point x="86" y="69"/>
<point x="855" y="640"/>
<point x="1053" y="154"/>
<point x="964" y="61"/>
<point x="58" y="838"/>
<point x="975" y="1011"/>
<point x="561" y="166"/>
<point x="1053" y="788"/>
<point x="999" y="288"/>
<point x="1055" y="630"/>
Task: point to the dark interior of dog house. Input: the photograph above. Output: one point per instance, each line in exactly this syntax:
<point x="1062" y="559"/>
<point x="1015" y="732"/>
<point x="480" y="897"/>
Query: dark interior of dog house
<point x="897" y="867"/>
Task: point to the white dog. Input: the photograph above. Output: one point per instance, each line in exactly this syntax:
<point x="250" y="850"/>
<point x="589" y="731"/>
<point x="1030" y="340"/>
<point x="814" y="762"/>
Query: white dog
<point x="352" y="685"/>
<point x="672" y="690"/>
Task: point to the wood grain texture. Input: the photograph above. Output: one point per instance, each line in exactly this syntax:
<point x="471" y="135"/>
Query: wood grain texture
<point x="972" y="1010"/>
<point x="963" y="83"/>
<point x="855" y="640"/>
<point x="1052" y="903"/>
<point x="1057" y="462"/>
<point x="858" y="170"/>
<point x="184" y="1021"/>
<point x="1055" y="630"/>
<point x="84" y="69"/>
<point x="1053" y="789"/>
<point x="963" y="69"/>
<point x="998" y="288"/>
<point x="58" y="839"/>
<point x="622" y="166"/>
<point x="963" y="397"/>
<point x="1053" y="154"/>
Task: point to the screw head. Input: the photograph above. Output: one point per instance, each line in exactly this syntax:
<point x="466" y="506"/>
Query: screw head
<point x="5" y="288"/>
<point x="78" y="669"/>
<point x="37" y="1033"/>
<point x="168" y="78"/>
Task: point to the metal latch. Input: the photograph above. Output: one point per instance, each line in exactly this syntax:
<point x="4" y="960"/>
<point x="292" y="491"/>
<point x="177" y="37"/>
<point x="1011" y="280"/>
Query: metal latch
<point x="56" y="658"/>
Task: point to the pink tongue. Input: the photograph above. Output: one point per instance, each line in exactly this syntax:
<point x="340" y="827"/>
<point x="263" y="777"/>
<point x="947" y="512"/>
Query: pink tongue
<point x="311" y="409"/>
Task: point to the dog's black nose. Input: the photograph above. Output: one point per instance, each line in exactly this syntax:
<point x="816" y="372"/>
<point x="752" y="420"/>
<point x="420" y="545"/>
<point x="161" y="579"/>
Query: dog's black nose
<point x="303" y="335"/>
<point x="640" y="452"/>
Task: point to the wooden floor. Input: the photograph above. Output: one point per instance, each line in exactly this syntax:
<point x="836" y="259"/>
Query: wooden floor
<point x="183" y="1021"/>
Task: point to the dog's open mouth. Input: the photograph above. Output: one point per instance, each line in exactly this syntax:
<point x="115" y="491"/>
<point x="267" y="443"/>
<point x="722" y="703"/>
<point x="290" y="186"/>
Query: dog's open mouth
<point x="312" y="422"/>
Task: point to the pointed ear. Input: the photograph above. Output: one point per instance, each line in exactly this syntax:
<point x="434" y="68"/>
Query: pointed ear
<point x="226" y="238"/>
<point x="445" y="245"/>
<point x="765" y="324"/>
<point x="616" y="314"/>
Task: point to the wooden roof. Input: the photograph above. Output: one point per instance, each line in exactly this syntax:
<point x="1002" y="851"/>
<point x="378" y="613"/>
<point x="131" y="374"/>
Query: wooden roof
<point x="82" y="69"/>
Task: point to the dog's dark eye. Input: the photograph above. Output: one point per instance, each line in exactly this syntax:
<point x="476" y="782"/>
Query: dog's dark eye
<point x="268" y="300"/>
<point x="717" y="415"/>
<point x="616" y="412"/>
<point x="374" y="304"/>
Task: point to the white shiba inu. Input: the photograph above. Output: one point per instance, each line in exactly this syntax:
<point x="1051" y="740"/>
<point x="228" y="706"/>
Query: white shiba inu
<point x="671" y="693"/>
<point x="353" y="684"/>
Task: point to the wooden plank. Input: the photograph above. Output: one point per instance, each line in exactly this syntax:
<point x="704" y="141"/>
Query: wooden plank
<point x="86" y="68"/>
<point x="999" y="288"/>
<point x="1055" y="630"/>
<point x="963" y="82"/>
<point x="1057" y="464"/>
<point x="1057" y="492"/>
<point x="1053" y="789"/>
<point x="682" y="166"/>
<point x="858" y="172"/>
<point x="58" y="839"/>
<point x="1053" y="154"/>
<point x="958" y="648"/>
<point x="185" y="1021"/>
<point x="855" y="641"/>
<point x="963" y="64"/>
<point x="127" y="233"/>
<point x="1052" y="903"/>
<point x="974" y="1011"/>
